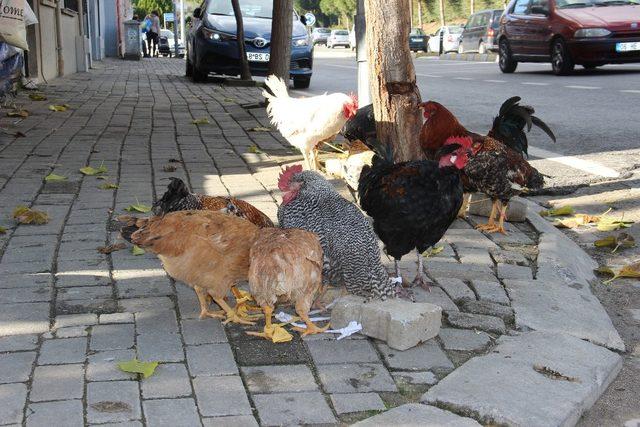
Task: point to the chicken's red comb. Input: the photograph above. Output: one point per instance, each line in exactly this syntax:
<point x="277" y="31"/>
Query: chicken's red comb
<point x="463" y="141"/>
<point x="286" y="175"/>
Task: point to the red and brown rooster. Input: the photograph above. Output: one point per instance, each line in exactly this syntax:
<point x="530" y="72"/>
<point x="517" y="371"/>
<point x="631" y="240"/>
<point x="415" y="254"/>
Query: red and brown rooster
<point x="497" y="167"/>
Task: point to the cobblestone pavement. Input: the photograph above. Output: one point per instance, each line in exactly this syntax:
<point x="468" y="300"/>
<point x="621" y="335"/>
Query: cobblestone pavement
<point x="68" y="313"/>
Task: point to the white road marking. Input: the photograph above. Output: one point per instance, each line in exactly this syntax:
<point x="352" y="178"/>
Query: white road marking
<point x="583" y="87"/>
<point x="463" y="78"/>
<point x="351" y="67"/>
<point x="428" y="75"/>
<point x="630" y="91"/>
<point x="588" y="166"/>
<point x="535" y="84"/>
<point x="495" y="81"/>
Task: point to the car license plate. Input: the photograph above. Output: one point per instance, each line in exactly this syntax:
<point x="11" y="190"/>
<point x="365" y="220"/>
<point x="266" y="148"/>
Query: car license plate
<point x="627" y="47"/>
<point x="258" y="57"/>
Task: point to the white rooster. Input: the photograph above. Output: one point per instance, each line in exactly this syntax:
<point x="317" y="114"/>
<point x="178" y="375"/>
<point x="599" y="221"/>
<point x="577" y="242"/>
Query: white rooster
<point x="306" y="122"/>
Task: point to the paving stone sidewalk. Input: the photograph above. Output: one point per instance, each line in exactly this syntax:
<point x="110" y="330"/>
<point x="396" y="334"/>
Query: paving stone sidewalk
<point x="524" y="341"/>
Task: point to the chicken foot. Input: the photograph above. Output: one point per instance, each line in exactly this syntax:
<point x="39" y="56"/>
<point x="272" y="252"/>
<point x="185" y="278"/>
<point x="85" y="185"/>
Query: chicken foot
<point x="421" y="278"/>
<point x="491" y="224"/>
<point x="311" y="328"/>
<point x="231" y="314"/>
<point x="205" y="300"/>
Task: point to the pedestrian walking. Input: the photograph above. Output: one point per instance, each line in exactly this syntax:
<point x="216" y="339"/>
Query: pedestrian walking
<point x="153" y="33"/>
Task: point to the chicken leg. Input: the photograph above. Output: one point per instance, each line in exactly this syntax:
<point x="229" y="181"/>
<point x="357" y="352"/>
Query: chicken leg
<point x="462" y="213"/>
<point x="421" y="278"/>
<point x="503" y="216"/>
<point x="303" y="311"/>
<point x="231" y="315"/>
<point x="491" y="224"/>
<point x="205" y="299"/>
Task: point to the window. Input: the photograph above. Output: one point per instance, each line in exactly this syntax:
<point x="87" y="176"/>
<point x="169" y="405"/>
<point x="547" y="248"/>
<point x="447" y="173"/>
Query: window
<point x="539" y="5"/>
<point x="473" y="21"/>
<point x="71" y="5"/>
<point x="455" y="30"/>
<point x="521" y="7"/>
<point x="252" y="8"/>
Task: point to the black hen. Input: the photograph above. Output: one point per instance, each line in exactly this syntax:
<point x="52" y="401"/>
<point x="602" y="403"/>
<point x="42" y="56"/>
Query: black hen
<point x="362" y="126"/>
<point x="413" y="203"/>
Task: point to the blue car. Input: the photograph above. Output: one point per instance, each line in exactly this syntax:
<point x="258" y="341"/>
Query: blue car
<point x="212" y="41"/>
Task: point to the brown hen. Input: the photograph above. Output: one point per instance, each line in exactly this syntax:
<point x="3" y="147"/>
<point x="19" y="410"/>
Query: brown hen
<point x="286" y="264"/>
<point x="208" y="251"/>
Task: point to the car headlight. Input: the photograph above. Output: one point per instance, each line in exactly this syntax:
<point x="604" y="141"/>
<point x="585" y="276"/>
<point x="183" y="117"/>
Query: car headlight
<point x="591" y="32"/>
<point x="215" y="35"/>
<point x="301" y="42"/>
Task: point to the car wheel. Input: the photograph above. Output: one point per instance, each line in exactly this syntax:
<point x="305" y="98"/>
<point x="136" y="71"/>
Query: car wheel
<point x="561" y="61"/>
<point x="482" y="49"/>
<point x="460" y="49"/>
<point x="506" y="62"/>
<point x="301" y="82"/>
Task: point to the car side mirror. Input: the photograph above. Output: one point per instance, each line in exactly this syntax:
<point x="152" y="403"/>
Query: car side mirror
<point x="197" y="12"/>
<point x="303" y="19"/>
<point x="539" y="10"/>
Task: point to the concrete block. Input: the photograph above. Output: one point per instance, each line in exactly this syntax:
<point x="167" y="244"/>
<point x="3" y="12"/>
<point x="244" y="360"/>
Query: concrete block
<point x="427" y="356"/>
<point x="116" y="318"/>
<point x="57" y="382"/>
<point x="343" y="351"/>
<point x="103" y="366"/>
<point x="171" y="413"/>
<point x="463" y="339"/>
<point x="415" y="378"/>
<point x="18" y="343"/>
<point x="211" y="359"/>
<point x="355" y="378"/>
<point x="113" y="401"/>
<point x="203" y="331"/>
<point x="401" y="324"/>
<point x="112" y="337"/>
<point x="480" y="204"/>
<point x="505" y="388"/>
<point x="356" y="402"/>
<point x="477" y="321"/>
<point x="16" y="367"/>
<point x="12" y="400"/>
<point x="221" y="396"/>
<point x="58" y="351"/>
<point x="489" y="308"/>
<point x="232" y="421"/>
<point x="276" y="379"/>
<point x="415" y="414"/>
<point x="293" y="409"/>
<point x="490" y="291"/>
<point x="517" y="272"/>
<point x="63" y="413"/>
<point x="169" y="381"/>
<point x="72" y="332"/>
<point x="455" y="288"/>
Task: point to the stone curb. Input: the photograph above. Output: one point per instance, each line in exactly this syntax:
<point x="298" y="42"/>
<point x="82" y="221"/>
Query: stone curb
<point x="478" y="57"/>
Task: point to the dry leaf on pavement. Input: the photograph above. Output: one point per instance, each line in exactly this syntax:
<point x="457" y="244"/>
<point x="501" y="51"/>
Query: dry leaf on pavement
<point x="52" y="177"/>
<point x="260" y="129"/>
<point x="25" y="215"/>
<point x="108" y="186"/>
<point x="564" y="210"/>
<point x="111" y="248"/>
<point x="630" y="271"/>
<point x="135" y="366"/>
<point x="203" y="121"/>
<point x="18" y="113"/>
<point x="138" y="207"/>
<point x="254" y="149"/>
<point x="37" y="97"/>
<point x="3" y="230"/>
<point x="169" y="168"/>
<point x="622" y="240"/>
<point x="137" y="250"/>
<point x="609" y="223"/>
<point x="91" y="171"/>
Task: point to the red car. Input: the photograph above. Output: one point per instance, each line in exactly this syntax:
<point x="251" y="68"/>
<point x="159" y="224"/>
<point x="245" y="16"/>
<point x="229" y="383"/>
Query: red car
<point x="569" y="32"/>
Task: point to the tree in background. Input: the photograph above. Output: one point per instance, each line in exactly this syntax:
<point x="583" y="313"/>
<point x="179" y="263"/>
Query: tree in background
<point x="443" y="21"/>
<point x="245" y="72"/>
<point x="143" y="7"/>
<point x="281" y="28"/>
<point x="342" y="9"/>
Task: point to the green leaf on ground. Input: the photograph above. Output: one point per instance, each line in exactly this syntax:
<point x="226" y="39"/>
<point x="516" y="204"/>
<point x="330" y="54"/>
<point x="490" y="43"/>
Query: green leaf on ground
<point x="229" y="100"/>
<point x="564" y="210"/>
<point x="137" y="250"/>
<point x="254" y="149"/>
<point x="52" y="177"/>
<point x="203" y="121"/>
<point x="59" y="108"/>
<point x="260" y="129"/>
<point x="3" y="230"/>
<point x="18" y="113"/>
<point x="622" y="240"/>
<point x="138" y="207"/>
<point x="37" y="97"/>
<point x="108" y="186"/>
<point x="135" y="366"/>
<point x="91" y="171"/>
<point x="432" y="251"/>
<point x="630" y="271"/>
<point x="609" y="223"/>
<point x="25" y="215"/>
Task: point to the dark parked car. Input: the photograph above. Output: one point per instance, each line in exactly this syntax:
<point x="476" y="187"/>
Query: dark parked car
<point x="480" y="33"/>
<point x="568" y="32"/>
<point x="212" y="42"/>
<point x="418" y="40"/>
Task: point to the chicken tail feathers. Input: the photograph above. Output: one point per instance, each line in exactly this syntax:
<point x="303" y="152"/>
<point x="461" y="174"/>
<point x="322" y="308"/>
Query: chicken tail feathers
<point x="177" y="190"/>
<point x="277" y="86"/>
<point x="509" y="126"/>
<point x="382" y="151"/>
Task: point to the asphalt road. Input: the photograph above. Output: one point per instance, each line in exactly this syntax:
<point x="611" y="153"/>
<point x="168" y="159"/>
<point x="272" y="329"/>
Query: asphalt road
<point x="595" y="114"/>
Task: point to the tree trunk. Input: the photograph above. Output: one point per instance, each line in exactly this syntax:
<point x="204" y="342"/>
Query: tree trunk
<point x="442" y="20"/>
<point x="281" y="27"/>
<point x="472" y="6"/>
<point x="394" y="93"/>
<point x="411" y="13"/>
<point x="245" y="73"/>
<point x="420" y="13"/>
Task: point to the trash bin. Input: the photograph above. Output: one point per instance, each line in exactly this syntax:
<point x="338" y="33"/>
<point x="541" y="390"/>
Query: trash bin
<point x="132" y="40"/>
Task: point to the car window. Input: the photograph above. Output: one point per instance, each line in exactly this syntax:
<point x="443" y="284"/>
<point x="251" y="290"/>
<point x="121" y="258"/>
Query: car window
<point x="539" y="4"/>
<point x="252" y="8"/>
<point x="416" y="32"/>
<point x="455" y="30"/>
<point x="495" y="22"/>
<point x="472" y="21"/>
<point x="342" y="33"/>
<point x="521" y="7"/>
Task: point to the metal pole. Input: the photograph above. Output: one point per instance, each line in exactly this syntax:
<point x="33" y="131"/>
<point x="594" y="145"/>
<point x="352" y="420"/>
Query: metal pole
<point x="364" y="91"/>
<point x="182" y="34"/>
<point x="175" y="30"/>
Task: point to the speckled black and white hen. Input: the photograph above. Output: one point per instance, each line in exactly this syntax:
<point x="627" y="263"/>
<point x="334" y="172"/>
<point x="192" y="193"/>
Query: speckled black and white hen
<point x="350" y="246"/>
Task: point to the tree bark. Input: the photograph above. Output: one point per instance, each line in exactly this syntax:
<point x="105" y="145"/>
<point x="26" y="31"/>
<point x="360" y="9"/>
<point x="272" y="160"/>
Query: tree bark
<point x="281" y="27"/>
<point x="245" y="72"/>
<point x="420" y="13"/>
<point x="472" y="6"/>
<point x="392" y="78"/>
<point x="442" y="20"/>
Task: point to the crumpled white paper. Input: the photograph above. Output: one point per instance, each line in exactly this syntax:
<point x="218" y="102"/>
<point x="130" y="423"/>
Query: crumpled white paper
<point x="348" y="330"/>
<point x="395" y="280"/>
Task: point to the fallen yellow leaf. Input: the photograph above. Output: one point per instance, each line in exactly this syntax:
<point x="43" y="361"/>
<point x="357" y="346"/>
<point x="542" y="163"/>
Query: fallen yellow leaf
<point x="137" y="250"/>
<point x="260" y="129"/>
<point x="203" y="121"/>
<point x="135" y="366"/>
<point x="254" y="149"/>
<point x="37" y="97"/>
<point x="3" y="230"/>
<point x="18" y="113"/>
<point x="108" y="186"/>
<point x="622" y="240"/>
<point x="59" y="108"/>
<point x="91" y="171"/>
<point x="564" y="210"/>
<point x="52" y="177"/>
<point x="138" y="207"/>
<point x="111" y="248"/>
<point x="25" y="215"/>
<point x="432" y="251"/>
<point x="630" y="271"/>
